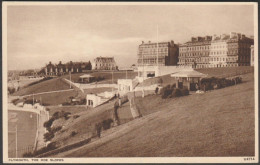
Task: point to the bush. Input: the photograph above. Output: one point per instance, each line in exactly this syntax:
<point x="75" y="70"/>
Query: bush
<point x="48" y="123"/>
<point x="67" y="115"/>
<point x="75" y="116"/>
<point x="56" y="115"/>
<point x="73" y="133"/>
<point x="14" y="101"/>
<point x="184" y="92"/>
<point x="167" y="91"/>
<point x="48" y="136"/>
<point x="55" y="129"/>
<point x="106" y="124"/>
<point x="28" y="154"/>
<point x="11" y="90"/>
<point x="173" y="86"/>
<point x="176" y="93"/>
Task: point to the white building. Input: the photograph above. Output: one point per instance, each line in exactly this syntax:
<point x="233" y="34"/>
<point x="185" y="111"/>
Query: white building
<point x="218" y="54"/>
<point x="104" y="63"/>
<point x="156" y="71"/>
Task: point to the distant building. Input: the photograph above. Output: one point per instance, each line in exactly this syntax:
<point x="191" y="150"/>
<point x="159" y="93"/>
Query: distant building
<point x="104" y="63"/>
<point x="217" y="51"/>
<point x="61" y="69"/>
<point x="195" y="53"/>
<point x="230" y="50"/>
<point x="167" y="54"/>
<point x="252" y="55"/>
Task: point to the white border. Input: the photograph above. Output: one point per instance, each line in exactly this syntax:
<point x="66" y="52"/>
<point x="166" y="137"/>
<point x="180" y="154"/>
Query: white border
<point x="137" y="159"/>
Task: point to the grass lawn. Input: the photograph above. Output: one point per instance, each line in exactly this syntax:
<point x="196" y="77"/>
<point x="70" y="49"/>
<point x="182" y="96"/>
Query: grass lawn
<point x="98" y="90"/>
<point x="55" y="98"/>
<point x="216" y="123"/>
<point x="106" y="74"/>
<point x="226" y="72"/>
<point x="83" y="125"/>
<point x="71" y="109"/>
<point x="45" y="86"/>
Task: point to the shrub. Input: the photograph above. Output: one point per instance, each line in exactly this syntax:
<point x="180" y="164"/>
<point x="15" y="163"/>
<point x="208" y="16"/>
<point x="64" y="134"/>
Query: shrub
<point x="28" y="154"/>
<point x="166" y="92"/>
<point x="73" y="133"/>
<point x="50" y="146"/>
<point x="75" y="116"/>
<point x="184" y="92"/>
<point x="173" y="86"/>
<point x="48" y="123"/>
<point x="14" y="101"/>
<point x="55" y="129"/>
<point x="176" y="93"/>
<point x="106" y="124"/>
<point x="67" y="115"/>
<point x="56" y="115"/>
<point x="11" y="90"/>
<point x="48" y="136"/>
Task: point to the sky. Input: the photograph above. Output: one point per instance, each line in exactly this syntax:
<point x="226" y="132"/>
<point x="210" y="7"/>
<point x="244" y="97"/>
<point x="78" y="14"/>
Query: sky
<point x="39" y="34"/>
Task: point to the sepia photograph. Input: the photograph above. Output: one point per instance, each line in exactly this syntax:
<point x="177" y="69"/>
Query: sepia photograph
<point x="130" y="82"/>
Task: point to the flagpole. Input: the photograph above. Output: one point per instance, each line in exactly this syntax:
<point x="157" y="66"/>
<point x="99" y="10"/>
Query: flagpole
<point x="143" y="75"/>
<point x="16" y="141"/>
<point x="157" y="47"/>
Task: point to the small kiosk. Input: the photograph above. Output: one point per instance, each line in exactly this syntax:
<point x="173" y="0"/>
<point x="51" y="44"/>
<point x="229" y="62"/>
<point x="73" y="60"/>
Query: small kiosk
<point x="86" y="78"/>
<point x="188" y="78"/>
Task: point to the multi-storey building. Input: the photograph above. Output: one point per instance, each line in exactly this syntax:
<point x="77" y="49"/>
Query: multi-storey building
<point x="230" y="50"/>
<point x="104" y="63"/>
<point x="195" y="53"/>
<point x="217" y="51"/>
<point x="166" y="52"/>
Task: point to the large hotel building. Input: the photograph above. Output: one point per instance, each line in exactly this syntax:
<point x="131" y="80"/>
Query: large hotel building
<point x="217" y="51"/>
<point x="195" y="52"/>
<point x="167" y="54"/>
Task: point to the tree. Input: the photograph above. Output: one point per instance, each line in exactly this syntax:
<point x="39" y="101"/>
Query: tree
<point x="89" y="66"/>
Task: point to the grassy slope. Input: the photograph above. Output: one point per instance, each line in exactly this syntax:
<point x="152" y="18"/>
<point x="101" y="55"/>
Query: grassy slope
<point x="83" y="125"/>
<point x="226" y="72"/>
<point x="212" y="72"/>
<point x="46" y="86"/>
<point x="217" y="123"/>
<point x="55" y="98"/>
<point x="107" y="76"/>
<point x="98" y="90"/>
